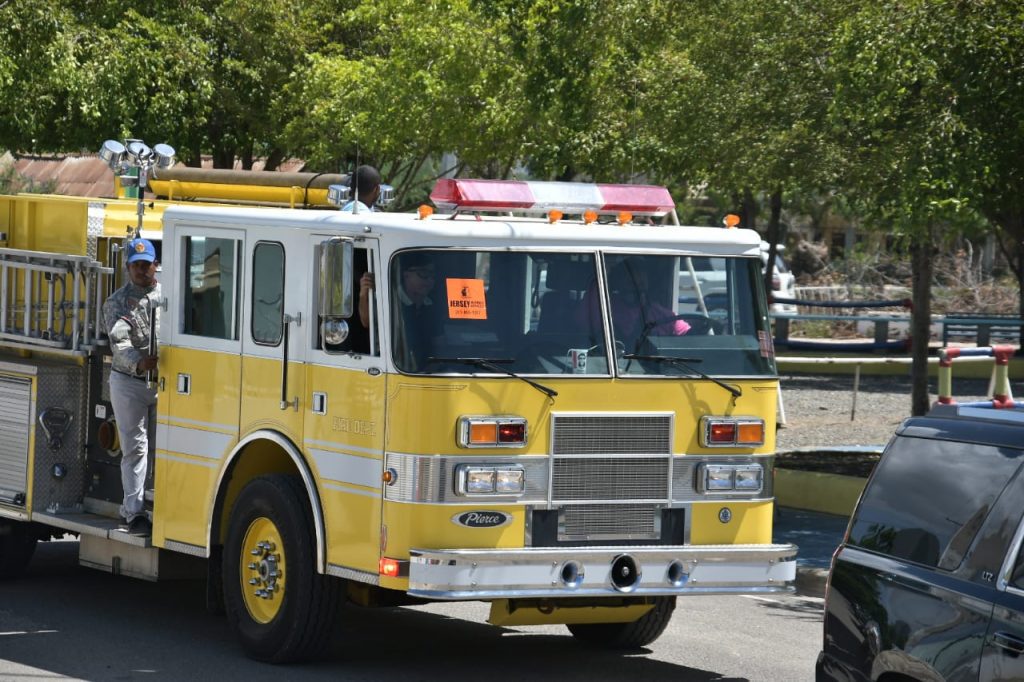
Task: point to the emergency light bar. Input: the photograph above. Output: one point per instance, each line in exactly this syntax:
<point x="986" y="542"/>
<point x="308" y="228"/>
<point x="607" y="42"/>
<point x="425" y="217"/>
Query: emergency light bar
<point x="458" y="195"/>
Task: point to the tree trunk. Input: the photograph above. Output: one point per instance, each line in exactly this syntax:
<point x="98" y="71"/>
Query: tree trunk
<point x="748" y="213"/>
<point x="922" y="249"/>
<point x="773" y="237"/>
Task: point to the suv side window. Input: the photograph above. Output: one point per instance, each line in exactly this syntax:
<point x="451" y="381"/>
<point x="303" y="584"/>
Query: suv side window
<point x="928" y="498"/>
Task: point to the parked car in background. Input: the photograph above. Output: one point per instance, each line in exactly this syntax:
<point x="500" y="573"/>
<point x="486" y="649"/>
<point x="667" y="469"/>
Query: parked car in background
<point x="928" y="583"/>
<point x="783" y="281"/>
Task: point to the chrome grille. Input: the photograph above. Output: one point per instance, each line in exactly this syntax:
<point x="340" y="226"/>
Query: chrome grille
<point x="609" y="521"/>
<point x="612" y="434"/>
<point x="609" y="458"/>
<point x="607" y="478"/>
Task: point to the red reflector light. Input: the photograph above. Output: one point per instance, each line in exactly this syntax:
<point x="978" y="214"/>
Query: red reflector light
<point x="722" y="433"/>
<point x="389" y="567"/>
<point x="511" y="433"/>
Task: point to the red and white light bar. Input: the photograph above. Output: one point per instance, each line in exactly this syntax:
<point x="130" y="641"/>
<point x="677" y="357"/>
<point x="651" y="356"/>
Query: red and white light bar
<point x="457" y="195"/>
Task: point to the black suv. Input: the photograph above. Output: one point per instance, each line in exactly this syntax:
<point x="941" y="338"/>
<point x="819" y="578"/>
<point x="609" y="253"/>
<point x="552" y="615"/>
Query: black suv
<point x="928" y="583"/>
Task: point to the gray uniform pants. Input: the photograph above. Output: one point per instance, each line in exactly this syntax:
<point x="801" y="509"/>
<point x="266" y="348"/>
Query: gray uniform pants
<point x="135" y="411"/>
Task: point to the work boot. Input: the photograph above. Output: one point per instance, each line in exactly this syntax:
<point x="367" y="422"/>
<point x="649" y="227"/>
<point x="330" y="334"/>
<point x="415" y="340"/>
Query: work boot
<point x="140" y="526"/>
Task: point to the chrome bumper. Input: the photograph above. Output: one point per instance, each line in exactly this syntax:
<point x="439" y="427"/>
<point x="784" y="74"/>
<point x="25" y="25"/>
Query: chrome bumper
<point x="588" y="571"/>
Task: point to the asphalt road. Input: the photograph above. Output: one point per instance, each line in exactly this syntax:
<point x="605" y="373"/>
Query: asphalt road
<point x="62" y="621"/>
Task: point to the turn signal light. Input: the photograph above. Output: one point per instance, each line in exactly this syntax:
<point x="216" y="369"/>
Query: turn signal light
<point x="391" y="568"/>
<point x="722" y="432"/>
<point x="492" y="432"/>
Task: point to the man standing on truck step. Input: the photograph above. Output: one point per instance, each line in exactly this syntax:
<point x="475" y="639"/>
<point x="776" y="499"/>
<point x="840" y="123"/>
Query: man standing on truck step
<point x="131" y="315"/>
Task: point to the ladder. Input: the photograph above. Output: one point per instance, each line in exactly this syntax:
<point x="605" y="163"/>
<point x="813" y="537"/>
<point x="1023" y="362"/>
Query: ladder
<point x="51" y="301"/>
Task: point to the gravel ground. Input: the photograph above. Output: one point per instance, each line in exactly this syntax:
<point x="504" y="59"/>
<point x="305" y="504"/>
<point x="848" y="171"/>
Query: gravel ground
<point x="818" y="408"/>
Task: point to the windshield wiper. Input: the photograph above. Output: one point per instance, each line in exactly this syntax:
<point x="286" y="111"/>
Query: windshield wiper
<point x="494" y="364"/>
<point x="685" y="363"/>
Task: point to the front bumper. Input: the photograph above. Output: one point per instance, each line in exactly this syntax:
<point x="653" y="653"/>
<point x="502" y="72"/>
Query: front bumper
<point x="588" y="571"/>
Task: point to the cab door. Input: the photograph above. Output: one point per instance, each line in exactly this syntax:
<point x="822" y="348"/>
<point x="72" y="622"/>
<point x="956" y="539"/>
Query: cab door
<point x="273" y="338"/>
<point x="344" y="427"/>
<point x="200" y="376"/>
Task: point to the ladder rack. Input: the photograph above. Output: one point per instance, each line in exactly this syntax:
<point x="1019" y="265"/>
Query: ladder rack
<point x="51" y="301"/>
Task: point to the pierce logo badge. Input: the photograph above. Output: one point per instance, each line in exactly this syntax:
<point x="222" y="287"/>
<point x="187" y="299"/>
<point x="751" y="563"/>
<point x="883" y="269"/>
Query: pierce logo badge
<point x="482" y="519"/>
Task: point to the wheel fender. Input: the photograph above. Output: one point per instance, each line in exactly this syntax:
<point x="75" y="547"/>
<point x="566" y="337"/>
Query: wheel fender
<point x="305" y="473"/>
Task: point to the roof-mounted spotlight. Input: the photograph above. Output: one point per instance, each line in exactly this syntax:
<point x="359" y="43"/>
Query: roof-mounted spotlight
<point x="339" y="195"/>
<point x="136" y="155"/>
<point x="164" y="156"/>
<point x="113" y="153"/>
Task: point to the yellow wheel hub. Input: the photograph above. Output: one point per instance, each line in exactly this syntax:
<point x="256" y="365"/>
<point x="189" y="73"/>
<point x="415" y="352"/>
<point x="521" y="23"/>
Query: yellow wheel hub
<point x="261" y="570"/>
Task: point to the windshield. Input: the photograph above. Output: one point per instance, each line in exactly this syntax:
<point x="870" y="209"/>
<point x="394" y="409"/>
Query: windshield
<point x="543" y="313"/>
<point x="706" y="309"/>
<point x="523" y="310"/>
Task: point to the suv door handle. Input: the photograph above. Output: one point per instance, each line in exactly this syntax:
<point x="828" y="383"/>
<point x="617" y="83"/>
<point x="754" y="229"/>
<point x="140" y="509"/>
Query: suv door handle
<point x="1010" y="643"/>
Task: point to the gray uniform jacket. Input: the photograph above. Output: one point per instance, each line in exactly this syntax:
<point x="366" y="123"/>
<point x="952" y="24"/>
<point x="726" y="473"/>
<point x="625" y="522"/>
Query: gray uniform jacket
<point x="126" y="319"/>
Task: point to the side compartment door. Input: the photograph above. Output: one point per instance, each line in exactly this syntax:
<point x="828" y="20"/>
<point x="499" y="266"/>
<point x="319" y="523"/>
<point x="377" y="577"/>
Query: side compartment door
<point x="273" y="340"/>
<point x="344" y="429"/>
<point x="200" y="372"/>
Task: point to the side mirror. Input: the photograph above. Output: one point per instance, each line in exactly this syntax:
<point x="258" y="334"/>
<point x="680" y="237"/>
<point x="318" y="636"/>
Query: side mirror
<point x="336" y="264"/>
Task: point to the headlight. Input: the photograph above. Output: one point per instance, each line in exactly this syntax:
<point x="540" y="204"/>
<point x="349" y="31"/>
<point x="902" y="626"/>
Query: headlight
<point x="471" y="479"/>
<point x="728" y="478"/>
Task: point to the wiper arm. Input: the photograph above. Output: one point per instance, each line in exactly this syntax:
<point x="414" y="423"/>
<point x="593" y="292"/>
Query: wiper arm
<point x="494" y="364"/>
<point x="685" y="363"/>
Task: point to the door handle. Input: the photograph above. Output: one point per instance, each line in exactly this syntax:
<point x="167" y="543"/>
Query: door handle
<point x="1008" y="642"/>
<point x="285" y="402"/>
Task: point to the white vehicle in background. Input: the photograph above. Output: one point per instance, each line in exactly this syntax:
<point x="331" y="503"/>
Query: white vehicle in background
<point x="710" y="276"/>
<point x="783" y="281"/>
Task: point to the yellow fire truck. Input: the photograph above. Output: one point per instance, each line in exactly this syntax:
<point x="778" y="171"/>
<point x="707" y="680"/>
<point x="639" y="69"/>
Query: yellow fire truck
<point x="552" y="402"/>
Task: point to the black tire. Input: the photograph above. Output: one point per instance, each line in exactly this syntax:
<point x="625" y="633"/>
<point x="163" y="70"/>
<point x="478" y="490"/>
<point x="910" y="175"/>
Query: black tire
<point x="295" y="621"/>
<point x="635" y="635"/>
<point x="17" y="545"/>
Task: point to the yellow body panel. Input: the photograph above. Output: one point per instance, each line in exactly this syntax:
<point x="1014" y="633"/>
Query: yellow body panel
<point x="207" y="416"/>
<point x="435" y="405"/>
<point x="555" y="614"/>
<point x="351" y="432"/>
<point x="261" y="397"/>
<point x="751" y="523"/>
<point x="422" y="525"/>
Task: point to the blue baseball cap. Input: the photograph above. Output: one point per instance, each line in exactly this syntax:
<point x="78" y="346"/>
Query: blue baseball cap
<point x="141" y="249"/>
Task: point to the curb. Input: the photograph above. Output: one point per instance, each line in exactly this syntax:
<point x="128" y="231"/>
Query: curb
<point x="810" y="582"/>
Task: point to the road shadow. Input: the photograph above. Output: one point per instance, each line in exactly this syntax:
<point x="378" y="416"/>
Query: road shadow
<point x="64" y="620"/>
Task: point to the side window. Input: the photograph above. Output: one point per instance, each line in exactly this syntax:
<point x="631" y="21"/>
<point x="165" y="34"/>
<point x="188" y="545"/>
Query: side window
<point x="268" y="278"/>
<point x="899" y="516"/>
<point x="362" y="334"/>
<point x="211" y="306"/>
<point x="1017" y="574"/>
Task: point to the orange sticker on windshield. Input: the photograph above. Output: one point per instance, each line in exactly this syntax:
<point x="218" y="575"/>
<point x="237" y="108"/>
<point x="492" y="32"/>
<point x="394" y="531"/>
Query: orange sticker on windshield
<point x="466" y="299"/>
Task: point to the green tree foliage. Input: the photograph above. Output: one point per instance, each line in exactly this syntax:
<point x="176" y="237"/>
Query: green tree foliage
<point x="200" y="74"/>
<point x="924" y="94"/>
<point x="420" y="79"/>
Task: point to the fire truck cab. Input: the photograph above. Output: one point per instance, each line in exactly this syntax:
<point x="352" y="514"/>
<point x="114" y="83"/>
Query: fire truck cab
<point x="544" y="413"/>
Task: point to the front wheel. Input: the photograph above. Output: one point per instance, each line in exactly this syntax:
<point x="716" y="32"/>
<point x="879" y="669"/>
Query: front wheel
<point x="635" y="635"/>
<point x="281" y="609"/>
<point x="17" y="545"/>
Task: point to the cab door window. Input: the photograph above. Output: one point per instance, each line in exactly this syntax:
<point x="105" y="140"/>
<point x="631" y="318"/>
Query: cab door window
<point x="362" y="336"/>
<point x="268" y="293"/>
<point x="211" y="289"/>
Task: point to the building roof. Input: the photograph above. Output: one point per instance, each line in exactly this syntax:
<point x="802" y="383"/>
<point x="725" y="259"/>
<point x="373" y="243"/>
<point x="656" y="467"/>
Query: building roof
<point x="86" y="175"/>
